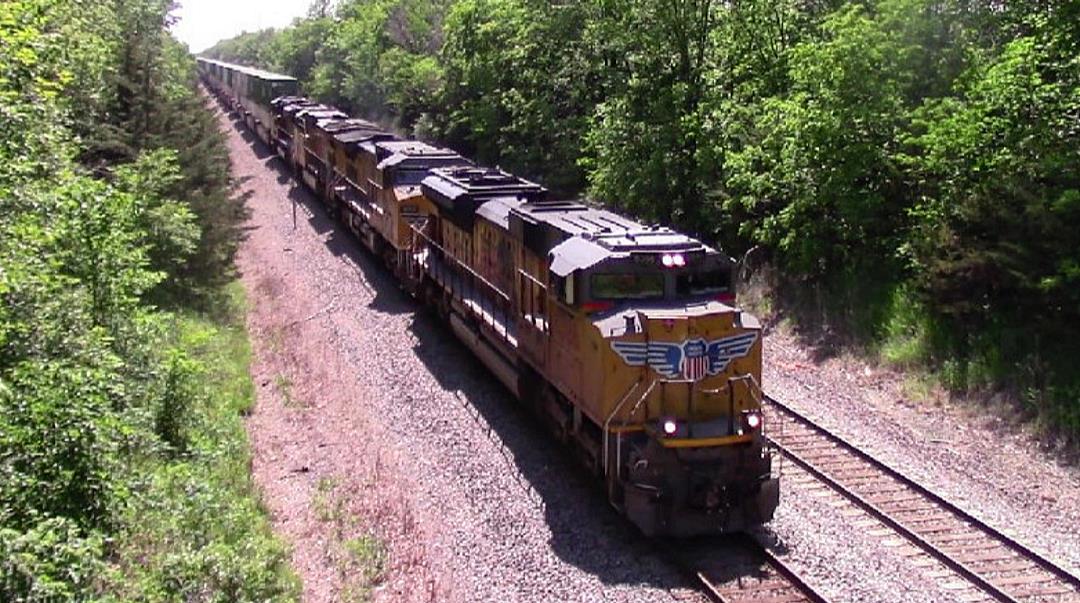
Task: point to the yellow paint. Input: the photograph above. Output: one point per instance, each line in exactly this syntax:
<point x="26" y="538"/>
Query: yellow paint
<point x="580" y="361"/>
<point x="704" y="442"/>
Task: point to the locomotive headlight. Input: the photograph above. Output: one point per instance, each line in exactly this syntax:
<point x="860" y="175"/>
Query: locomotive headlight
<point x="752" y="419"/>
<point x="673" y="260"/>
<point x="670" y="427"/>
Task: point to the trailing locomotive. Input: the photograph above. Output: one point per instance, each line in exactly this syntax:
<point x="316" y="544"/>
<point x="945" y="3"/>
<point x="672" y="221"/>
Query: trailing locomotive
<point x="624" y="338"/>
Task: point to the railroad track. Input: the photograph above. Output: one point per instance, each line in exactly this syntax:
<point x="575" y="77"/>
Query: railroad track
<point x="999" y="567"/>
<point x="738" y="569"/>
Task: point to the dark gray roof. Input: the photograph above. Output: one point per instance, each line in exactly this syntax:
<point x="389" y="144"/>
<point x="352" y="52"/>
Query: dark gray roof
<point x="291" y="100"/>
<point x="319" y="112"/>
<point x="392" y="153"/>
<point x="575" y="218"/>
<point x="350" y="131"/>
<point x="543" y="226"/>
<point x="352" y="137"/>
<point x="497" y="211"/>
<point x="291" y="107"/>
<point x="345" y="125"/>
<point x="461" y="190"/>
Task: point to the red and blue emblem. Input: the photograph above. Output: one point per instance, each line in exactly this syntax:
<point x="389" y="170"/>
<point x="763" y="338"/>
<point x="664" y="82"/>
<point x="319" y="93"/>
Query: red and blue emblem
<point x="695" y="361"/>
<point x="692" y="360"/>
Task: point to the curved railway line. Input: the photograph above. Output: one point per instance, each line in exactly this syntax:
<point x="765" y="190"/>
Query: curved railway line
<point x="999" y="567"/>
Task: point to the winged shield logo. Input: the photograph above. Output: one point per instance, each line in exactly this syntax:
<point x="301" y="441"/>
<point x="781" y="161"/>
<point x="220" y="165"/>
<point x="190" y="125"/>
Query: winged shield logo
<point x="692" y="359"/>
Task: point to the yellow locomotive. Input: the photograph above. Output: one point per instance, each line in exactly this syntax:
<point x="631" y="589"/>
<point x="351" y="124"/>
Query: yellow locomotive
<point x="624" y="338"/>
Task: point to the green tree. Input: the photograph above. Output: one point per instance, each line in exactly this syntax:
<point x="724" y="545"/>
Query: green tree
<point x="101" y="203"/>
<point x="514" y="97"/>
<point x="821" y="185"/>
<point x="645" y="148"/>
<point x="996" y="244"/>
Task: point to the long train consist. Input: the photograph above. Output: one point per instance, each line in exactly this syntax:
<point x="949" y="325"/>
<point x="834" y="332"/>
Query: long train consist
<point x="625" y="338"/>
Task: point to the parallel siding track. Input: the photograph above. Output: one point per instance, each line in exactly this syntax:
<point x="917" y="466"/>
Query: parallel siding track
<point x="1001" y="568"/>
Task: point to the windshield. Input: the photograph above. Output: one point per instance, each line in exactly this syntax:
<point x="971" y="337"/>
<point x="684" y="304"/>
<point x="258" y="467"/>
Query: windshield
<point x="627" y="286"/>
<point x="703" y="283"/>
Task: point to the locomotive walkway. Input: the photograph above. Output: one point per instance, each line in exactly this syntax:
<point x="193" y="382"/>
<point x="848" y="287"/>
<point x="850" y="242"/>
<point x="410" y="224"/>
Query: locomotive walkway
<point x="997" y="567"/>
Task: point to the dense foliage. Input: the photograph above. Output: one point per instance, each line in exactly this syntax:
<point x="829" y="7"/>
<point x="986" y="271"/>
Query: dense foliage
<point x="123" y="473"/>
<point x="909" y="166"/>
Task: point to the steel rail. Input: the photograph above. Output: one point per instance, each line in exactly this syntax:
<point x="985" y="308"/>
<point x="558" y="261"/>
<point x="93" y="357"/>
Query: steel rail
<point x="742" y="551"/>
<point x="812" y="595"/>
<point x="907" y="532"/>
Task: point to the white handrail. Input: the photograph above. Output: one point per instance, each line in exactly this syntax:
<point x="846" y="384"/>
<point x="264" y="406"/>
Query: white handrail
<point x="615" y="411"/>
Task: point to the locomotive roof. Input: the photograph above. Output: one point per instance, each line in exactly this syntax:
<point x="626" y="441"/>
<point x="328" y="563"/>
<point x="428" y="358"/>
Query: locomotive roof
<point x="607" y="229"/>
<point x="250" y="71"/>
<point x="319" y="112"/>
<point x="292" y="104"/>
<point x="464" y="190"/>
<point x="346" y="125"/>
<point x="350" y="131"/>
<point x="351" y="137"/>
<point x="290" y="99"/>
<point x="476" y="183"/>
<point x="392" y="153"/>
<point x="578" y="236"/>
<point x="497" y="211"/>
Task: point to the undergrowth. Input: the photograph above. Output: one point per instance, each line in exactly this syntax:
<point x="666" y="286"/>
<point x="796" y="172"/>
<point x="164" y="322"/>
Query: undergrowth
<point x="360" y="555"/>
<point x="183" y="521"/>
<point x="1009" y="368"/>
<point x="196" y="529"/>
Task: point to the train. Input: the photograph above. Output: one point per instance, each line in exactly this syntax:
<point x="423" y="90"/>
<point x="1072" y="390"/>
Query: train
<point x="624" y="338"/>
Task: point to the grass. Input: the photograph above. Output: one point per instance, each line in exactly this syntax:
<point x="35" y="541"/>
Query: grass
<point x="196" y="529"/>
<point x="365" y="557"/>
<point x="276" y="339"/>
<point x="283" y="385"/>
<point x="327" y="506"/>
<point x="359" y="554"/>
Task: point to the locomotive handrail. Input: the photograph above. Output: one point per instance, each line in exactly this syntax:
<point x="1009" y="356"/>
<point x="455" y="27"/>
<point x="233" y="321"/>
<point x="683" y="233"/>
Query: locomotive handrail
<point x="539" y="322"/>
<point x="500" y="304"/>
<point x="607" y="425"/>
<point x="744" y="377"/>
<point x="531" y="278"/>
<point x="454" y="258"/>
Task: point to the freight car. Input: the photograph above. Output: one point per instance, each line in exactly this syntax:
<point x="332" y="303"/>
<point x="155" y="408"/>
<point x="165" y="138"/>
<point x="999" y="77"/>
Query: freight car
<point x="248" y="91"/>
<point x="624" y="338"/>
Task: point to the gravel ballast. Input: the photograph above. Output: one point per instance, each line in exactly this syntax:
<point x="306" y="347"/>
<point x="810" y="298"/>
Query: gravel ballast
<point x="993" y="472"/>
<point x="365" y="400"/>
